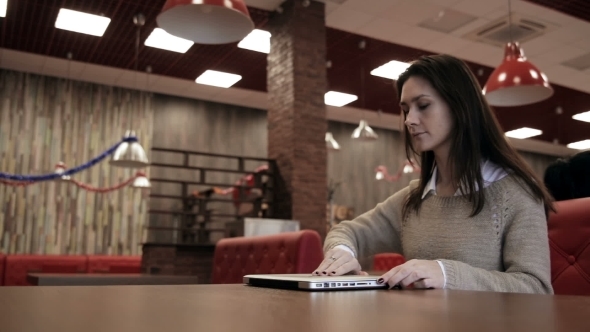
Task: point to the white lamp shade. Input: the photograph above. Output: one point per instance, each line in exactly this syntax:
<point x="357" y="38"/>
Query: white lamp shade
<point x="141" y="181"/>
<point x="129" y="154"/>
<point x="331" y="143"/>
<point x="60" y="168"/>
<point x="364" y="132"/>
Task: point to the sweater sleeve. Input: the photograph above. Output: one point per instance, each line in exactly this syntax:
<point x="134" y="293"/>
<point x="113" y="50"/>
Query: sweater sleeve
<point x="375" y="231"/>
<point x="527" y="267"/>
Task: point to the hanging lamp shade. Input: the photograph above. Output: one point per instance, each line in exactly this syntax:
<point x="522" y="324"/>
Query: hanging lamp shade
<point x="129" y="154"/>
<point x="380" y="172"/>
<point x="331" y="143"/>
<point x="206" y="21"/>
<point x="141" y="181"/>
<point x="516" y="81"/>
<point x="60" y="168"/>
<point x="364" y="132"/>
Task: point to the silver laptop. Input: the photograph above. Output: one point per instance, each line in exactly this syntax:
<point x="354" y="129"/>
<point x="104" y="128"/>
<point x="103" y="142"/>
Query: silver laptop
<point x="313" y="283"/>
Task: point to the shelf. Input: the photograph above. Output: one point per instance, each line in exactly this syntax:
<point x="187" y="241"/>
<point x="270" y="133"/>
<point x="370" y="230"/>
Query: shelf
<point x="199" y="183"/>
<point x="207" y="169"/>
<point x="208" y="199"/>
<point x="209" y="154"/>
<point x="189" y="213"/>
<point x="186" y="229"/>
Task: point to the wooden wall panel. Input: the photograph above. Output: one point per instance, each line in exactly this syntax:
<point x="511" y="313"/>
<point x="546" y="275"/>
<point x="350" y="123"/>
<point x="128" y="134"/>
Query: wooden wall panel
<point x="538" y="162"/>
<point x="354" y="166"/>
<point x="45" y="120"/>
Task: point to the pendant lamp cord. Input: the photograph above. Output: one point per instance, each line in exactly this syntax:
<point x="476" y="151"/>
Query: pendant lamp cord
<point x="510" y="20"/>
<point x="69" y="79"/>
<point x="137" y="36"/>
<point x="139" y="21"/>
<point x="363" y="85"/>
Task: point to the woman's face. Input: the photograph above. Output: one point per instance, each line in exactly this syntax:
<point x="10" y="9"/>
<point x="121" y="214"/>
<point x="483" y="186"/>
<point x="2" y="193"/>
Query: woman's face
<point x="428" y="118"/>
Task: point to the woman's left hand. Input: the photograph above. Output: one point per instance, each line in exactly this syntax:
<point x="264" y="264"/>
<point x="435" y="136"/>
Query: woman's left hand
<point x="420" y="273"/>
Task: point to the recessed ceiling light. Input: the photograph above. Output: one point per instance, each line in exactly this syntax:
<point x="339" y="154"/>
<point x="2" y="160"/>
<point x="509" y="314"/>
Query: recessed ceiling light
<point x="3" y="6"/>
<point x="523" y="132"/>
<point x="581" y="145"/>
<point x="390" y="70"/>
<point x="338" y="99"/>
<point x="218" y="78"/>
<point x="582" y="116"/>
<point x="159" y="38"/>
<point x="81" y="22"/>
<point x="257" y="40"/>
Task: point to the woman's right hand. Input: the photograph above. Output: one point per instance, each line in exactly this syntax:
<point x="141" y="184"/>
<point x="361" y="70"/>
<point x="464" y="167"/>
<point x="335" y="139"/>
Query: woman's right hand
<point x="338" y="262"/>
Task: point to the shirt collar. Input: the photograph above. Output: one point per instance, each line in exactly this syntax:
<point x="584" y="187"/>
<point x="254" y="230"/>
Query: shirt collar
<point x="490" y="173"/>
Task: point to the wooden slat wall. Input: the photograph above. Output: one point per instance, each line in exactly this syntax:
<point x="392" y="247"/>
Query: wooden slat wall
<point x="354" y="166"/>
<point x="45" y="120"/>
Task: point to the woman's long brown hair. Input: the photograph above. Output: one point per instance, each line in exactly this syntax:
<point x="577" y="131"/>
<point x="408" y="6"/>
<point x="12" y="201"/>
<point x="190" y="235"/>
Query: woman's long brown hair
<point x="476" y="136"/>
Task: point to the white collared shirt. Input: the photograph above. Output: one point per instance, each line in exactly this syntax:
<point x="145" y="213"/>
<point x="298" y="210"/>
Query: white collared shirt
<point x="490" y="173"/>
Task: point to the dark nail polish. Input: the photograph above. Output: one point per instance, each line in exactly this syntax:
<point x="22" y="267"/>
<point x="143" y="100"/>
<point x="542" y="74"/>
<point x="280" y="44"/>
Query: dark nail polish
<point x="380" y="281"/>
<point x="333" y="272"/>
<point x="324" y="272"/>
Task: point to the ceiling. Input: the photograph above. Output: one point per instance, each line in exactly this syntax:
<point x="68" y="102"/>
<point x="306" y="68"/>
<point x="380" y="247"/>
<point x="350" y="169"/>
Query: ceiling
<point x="391" y="29"/>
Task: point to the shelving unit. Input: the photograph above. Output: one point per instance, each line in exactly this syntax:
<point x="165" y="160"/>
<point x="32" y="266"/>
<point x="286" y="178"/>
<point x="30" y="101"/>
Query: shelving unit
<point x="195" y="213"/>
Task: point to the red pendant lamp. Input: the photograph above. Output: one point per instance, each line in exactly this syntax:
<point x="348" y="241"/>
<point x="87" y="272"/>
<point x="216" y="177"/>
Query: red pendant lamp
<point x="206" y="21"/>
<point x="516" y="81"/>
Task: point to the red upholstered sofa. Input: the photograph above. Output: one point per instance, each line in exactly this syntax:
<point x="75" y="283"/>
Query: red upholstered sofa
<point x="14" y="268"/>
<point x="114" y="264"/>
<point x="569" y="243"/>
<point x="387" y="261"/>
<point x="18" y="266"/>
<point x="2" y="262"/>
<point x="291" y="252"/>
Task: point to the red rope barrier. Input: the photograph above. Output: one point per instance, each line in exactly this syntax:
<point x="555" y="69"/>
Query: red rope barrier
<point x="103" y="190"/>
<point x="79" y="184"/>
<point x="16" y="184"/>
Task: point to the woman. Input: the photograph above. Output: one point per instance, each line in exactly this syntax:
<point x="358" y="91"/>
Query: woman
<point x="476" y="219"/>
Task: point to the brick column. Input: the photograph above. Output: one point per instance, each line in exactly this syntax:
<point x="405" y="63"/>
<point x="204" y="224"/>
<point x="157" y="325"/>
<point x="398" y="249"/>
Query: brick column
<point x="296" y="83"/>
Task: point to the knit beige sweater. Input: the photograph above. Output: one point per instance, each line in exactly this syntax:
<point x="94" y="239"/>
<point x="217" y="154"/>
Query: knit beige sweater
<point x="504" y="248"/>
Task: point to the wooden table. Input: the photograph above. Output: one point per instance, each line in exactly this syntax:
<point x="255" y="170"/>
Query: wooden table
<point x="244" y="309"/>
<point x="90" y="279"/>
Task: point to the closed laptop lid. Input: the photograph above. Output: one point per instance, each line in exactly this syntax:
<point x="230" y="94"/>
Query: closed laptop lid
<point x="311" y="282"/>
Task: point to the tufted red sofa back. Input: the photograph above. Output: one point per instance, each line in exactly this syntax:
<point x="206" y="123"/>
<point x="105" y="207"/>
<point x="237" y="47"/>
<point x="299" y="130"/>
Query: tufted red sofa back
<point x="569" y="242"/>
<point x="2" y="262"/>
<point x="18" y="266"/>
<point x="114" y="264"/>
<point x="291" y="252"/>
<point x="387" y="261"/>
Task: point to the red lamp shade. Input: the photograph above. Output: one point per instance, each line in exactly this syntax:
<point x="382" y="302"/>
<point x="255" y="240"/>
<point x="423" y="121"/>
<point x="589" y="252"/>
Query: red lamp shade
<point x="516" y="81"/>
<point x="206" y="21"/>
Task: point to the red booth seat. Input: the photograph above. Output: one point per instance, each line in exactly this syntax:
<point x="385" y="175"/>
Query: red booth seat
<point x="291" y="252"/>
<point x="2" y="262"/>
<point x="569" y="244"/>
<point x="114" y="264"/>
<point x="387" y="261"/>
<point x="18" y="266"/>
